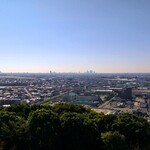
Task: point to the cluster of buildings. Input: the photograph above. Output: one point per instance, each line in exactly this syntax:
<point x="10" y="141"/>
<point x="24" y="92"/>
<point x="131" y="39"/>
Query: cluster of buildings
<point x="116" y="92"/>
<point x="30" y="90"/>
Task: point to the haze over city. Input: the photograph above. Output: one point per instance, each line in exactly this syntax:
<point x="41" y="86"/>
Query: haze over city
<point x="107" y="36"/>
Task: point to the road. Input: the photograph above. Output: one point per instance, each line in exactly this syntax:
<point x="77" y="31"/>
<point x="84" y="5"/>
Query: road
<point x="28" y="93"/>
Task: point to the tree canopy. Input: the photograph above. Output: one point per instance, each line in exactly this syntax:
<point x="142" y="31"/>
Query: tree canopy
<point x="70" y="127"/>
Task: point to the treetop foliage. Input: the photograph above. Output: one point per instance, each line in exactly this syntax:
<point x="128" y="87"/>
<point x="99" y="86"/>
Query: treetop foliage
<point x="70" y="127"/>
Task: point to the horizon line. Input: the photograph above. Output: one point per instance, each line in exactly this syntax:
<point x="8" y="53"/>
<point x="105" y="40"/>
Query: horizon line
<point x="74" y="72"/>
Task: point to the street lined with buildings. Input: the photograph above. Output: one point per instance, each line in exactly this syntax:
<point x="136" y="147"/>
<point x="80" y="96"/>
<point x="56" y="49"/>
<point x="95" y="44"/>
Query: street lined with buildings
<point x="115" y="93"/>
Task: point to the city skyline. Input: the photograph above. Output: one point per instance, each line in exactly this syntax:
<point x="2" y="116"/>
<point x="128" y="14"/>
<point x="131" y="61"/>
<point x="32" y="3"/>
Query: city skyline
<point x="75" y="36"/>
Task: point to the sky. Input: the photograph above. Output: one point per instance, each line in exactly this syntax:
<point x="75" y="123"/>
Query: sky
<point x="107" y="36"/>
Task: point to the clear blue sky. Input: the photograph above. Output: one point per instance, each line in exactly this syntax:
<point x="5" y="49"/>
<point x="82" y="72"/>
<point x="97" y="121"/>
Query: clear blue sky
<point x="75" y="35"/>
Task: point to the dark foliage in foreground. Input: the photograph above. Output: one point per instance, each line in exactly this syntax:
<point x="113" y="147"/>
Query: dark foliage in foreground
<point x="70" y="127"/>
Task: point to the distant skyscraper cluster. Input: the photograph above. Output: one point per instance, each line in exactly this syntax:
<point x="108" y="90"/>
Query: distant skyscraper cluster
<point x="90" y="72"/>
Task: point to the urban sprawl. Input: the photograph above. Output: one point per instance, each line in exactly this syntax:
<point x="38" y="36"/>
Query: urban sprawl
<point x="107" y="93"/>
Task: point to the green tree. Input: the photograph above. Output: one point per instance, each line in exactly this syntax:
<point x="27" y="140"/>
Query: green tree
<point x="12" y="130"/>
<point x="62" y="108"/>
<point x="105" y="122"/>
<point x="78" y="132"/>
<point x="136" y="130"/>
<point x="20" y="109"/>
<point x="114" y="141"/>
<point x="43" y="128"/>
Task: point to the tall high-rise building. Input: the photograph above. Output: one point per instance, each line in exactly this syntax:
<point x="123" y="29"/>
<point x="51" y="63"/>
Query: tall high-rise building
<point x="127" y="94"/>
